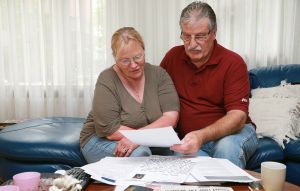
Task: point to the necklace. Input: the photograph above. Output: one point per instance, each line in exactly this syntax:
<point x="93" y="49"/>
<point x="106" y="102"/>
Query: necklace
<point x="137" y="90"/>
<point x="134" y="87"/>
<point x="137" y="96"/>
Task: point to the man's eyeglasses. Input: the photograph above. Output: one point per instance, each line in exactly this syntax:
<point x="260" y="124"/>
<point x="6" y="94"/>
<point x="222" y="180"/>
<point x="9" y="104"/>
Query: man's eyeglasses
<point x="137" y="58"/>
<point x="198" y="38"/>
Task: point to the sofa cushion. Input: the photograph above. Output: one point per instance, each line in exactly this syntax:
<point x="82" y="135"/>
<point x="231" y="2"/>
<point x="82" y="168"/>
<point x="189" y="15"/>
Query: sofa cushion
<point x="44" y="140"/>
<point x="292" y="151"/>
<point x="283" y="91"/>
<point x="267" y="150"/>
<point x="271" y="76"/>
<point x="8" y="167"/>
<point x="277" y="118"/>
<point x="293" y="172"/>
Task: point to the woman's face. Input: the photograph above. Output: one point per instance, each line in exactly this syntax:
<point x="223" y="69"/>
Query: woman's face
<point x="131" y="60"/>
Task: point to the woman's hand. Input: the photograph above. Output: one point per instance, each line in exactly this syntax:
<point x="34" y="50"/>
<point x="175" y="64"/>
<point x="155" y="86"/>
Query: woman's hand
<point x="124" y="147"/>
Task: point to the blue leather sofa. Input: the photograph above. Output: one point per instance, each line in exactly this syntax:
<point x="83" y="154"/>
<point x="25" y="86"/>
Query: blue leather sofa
<point x="43" y="145"/>
<point x="49" y="144"/>
<point x="268" y="149"/>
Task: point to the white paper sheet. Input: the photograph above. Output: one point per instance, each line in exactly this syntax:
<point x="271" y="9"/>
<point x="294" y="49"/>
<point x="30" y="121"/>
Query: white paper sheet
<point x="194" y="188"/>
<point x="215" y="169"/>
<point x="158" y="137"/>
<point x="166" y="169"/>
<point x="115" y="170"/>
<point x="112" y="169"/>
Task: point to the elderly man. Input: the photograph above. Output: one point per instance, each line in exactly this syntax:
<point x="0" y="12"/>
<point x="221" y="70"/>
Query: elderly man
<point x="213" y="87"/>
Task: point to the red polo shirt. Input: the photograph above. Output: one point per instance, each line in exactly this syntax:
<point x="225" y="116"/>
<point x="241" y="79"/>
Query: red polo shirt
<point x="209" y="92"/>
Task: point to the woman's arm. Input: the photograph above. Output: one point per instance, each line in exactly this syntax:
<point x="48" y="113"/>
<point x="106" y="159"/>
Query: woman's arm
<point x="169" y="118"/>
<point x="125" y="146"/>
<point x="116" y="136"/>
<point x="106" y="105"/>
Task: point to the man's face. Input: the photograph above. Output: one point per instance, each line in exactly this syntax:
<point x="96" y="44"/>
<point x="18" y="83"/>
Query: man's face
<point x="198" y="40"/>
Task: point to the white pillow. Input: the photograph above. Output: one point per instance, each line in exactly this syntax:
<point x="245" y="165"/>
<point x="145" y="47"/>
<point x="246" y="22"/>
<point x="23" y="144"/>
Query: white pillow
<point x="282" y="91"/>
<point x="277" y="118"/>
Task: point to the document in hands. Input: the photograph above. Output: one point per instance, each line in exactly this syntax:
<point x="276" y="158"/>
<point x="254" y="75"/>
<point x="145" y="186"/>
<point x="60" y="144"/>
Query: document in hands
<point x="158" y="137"/>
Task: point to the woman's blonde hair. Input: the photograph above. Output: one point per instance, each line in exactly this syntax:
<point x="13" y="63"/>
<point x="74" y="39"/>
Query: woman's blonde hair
<point x="122" y="37"/>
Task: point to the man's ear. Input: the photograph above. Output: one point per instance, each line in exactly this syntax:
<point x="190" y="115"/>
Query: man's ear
<point x="214" y="33"/>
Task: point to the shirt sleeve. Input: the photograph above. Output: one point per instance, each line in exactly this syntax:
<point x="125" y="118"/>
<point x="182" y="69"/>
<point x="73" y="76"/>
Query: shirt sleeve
<point x="106" y="107"/>
<point x="237" y="87"/>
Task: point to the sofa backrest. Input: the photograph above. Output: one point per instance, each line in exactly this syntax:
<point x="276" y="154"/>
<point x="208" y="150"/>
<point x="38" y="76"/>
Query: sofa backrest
<point x="271" y="76"/>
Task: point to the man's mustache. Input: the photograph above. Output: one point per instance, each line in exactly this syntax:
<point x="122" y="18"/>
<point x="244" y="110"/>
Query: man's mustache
<point x="195" y="49"/>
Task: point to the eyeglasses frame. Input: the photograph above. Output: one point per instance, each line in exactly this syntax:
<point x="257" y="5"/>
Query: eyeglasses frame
<point x="137" y="58"/>
<point x="203" y="37"/>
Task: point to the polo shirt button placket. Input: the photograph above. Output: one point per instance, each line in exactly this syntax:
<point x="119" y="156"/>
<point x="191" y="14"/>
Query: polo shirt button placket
<point x="194" y="80"/>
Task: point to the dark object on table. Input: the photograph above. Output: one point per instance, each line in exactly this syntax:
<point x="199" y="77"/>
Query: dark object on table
<point x="79" y="174"/>
<point x="137" y="188"/>
<point x="256" y="185"/>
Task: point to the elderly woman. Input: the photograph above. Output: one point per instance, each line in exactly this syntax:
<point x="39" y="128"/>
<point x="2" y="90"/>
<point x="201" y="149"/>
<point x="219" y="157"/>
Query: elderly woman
<point x="132" y="94"/>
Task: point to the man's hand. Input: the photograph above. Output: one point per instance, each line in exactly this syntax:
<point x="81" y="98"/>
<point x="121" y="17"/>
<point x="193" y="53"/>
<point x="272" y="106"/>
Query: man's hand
<point x="191" y="143"/>
<point x="124" y="147"/>
<point x="231" y="123"/>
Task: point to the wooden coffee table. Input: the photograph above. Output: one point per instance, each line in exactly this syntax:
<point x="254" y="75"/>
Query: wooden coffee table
<point x="235" y="187"/>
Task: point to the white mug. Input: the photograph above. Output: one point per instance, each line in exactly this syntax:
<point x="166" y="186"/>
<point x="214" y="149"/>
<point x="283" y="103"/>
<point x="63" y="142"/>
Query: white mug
<point x="273" y="176"/>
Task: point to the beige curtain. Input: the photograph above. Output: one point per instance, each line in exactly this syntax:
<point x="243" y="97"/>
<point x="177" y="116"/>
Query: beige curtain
<point x="262" y="32"/>
<point x="51" y="52"/>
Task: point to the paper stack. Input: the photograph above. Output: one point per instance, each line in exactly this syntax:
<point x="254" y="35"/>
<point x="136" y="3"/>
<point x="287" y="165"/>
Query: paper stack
<point x="166" y="169"/>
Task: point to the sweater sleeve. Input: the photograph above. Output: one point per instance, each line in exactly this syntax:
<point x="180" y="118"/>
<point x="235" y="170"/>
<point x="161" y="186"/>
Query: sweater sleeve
<point x="167" y="93"/>
<point x="106" y="107"/>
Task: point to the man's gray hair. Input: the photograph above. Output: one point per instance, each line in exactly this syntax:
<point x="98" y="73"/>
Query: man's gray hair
<point x="199" y="10"/>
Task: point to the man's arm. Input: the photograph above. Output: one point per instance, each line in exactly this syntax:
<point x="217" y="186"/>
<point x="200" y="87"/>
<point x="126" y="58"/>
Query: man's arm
<point x="232" y="122"/>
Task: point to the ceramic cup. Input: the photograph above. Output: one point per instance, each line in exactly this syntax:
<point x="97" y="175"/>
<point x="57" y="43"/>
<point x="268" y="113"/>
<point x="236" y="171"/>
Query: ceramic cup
<point x="9" y="188"/>
<point x="27" y="181"/>
<point x="273" y="176"/>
